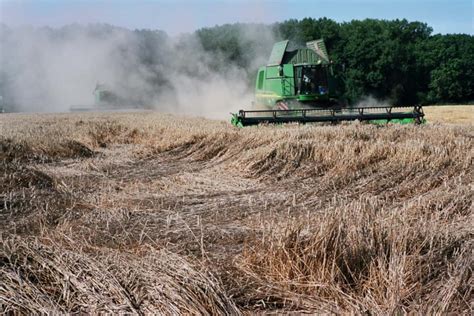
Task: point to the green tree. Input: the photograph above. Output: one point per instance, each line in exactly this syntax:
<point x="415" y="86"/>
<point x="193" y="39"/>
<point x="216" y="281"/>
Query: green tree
<point x="445" y="65"/>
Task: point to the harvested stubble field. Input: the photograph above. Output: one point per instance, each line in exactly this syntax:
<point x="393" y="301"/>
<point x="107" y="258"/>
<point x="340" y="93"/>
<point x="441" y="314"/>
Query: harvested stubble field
<point x="145" y="212"/>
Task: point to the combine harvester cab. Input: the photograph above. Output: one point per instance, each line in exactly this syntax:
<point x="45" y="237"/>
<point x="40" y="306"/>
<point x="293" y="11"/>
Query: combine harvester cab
<point x="298" y="86"/>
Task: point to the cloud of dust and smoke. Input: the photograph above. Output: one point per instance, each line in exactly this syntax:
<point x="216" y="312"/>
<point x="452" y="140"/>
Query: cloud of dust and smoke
<point x="371" y="101"/>
<point x="50" y="70"/>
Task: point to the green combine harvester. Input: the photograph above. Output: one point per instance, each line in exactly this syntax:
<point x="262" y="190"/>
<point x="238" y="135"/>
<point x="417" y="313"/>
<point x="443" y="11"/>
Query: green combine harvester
<point x="298" y="86"/>
<point x="106" y="99"/>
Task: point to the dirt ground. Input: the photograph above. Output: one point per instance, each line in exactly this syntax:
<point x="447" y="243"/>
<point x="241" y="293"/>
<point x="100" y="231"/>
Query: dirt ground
<point x="188" y="215"/>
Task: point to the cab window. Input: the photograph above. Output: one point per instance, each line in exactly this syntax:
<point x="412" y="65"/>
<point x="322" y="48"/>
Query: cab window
<point x="260" y="79"/>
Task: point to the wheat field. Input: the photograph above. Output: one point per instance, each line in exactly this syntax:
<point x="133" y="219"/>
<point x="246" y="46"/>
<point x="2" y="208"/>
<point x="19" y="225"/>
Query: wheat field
<point x="154" y="213"/>
<point x="454" y="114"/>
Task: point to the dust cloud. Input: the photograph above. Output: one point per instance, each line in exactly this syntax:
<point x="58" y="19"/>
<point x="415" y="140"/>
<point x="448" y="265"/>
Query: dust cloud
<point x="371" y="101"/>
<point x="51" y="69"/>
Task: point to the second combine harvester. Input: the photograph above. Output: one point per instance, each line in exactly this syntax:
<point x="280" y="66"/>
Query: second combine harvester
<point x="298" y="86"/>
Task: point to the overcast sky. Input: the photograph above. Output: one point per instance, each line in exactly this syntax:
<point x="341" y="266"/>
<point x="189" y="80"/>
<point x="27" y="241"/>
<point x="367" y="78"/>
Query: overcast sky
<point x="178" y="16"/>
